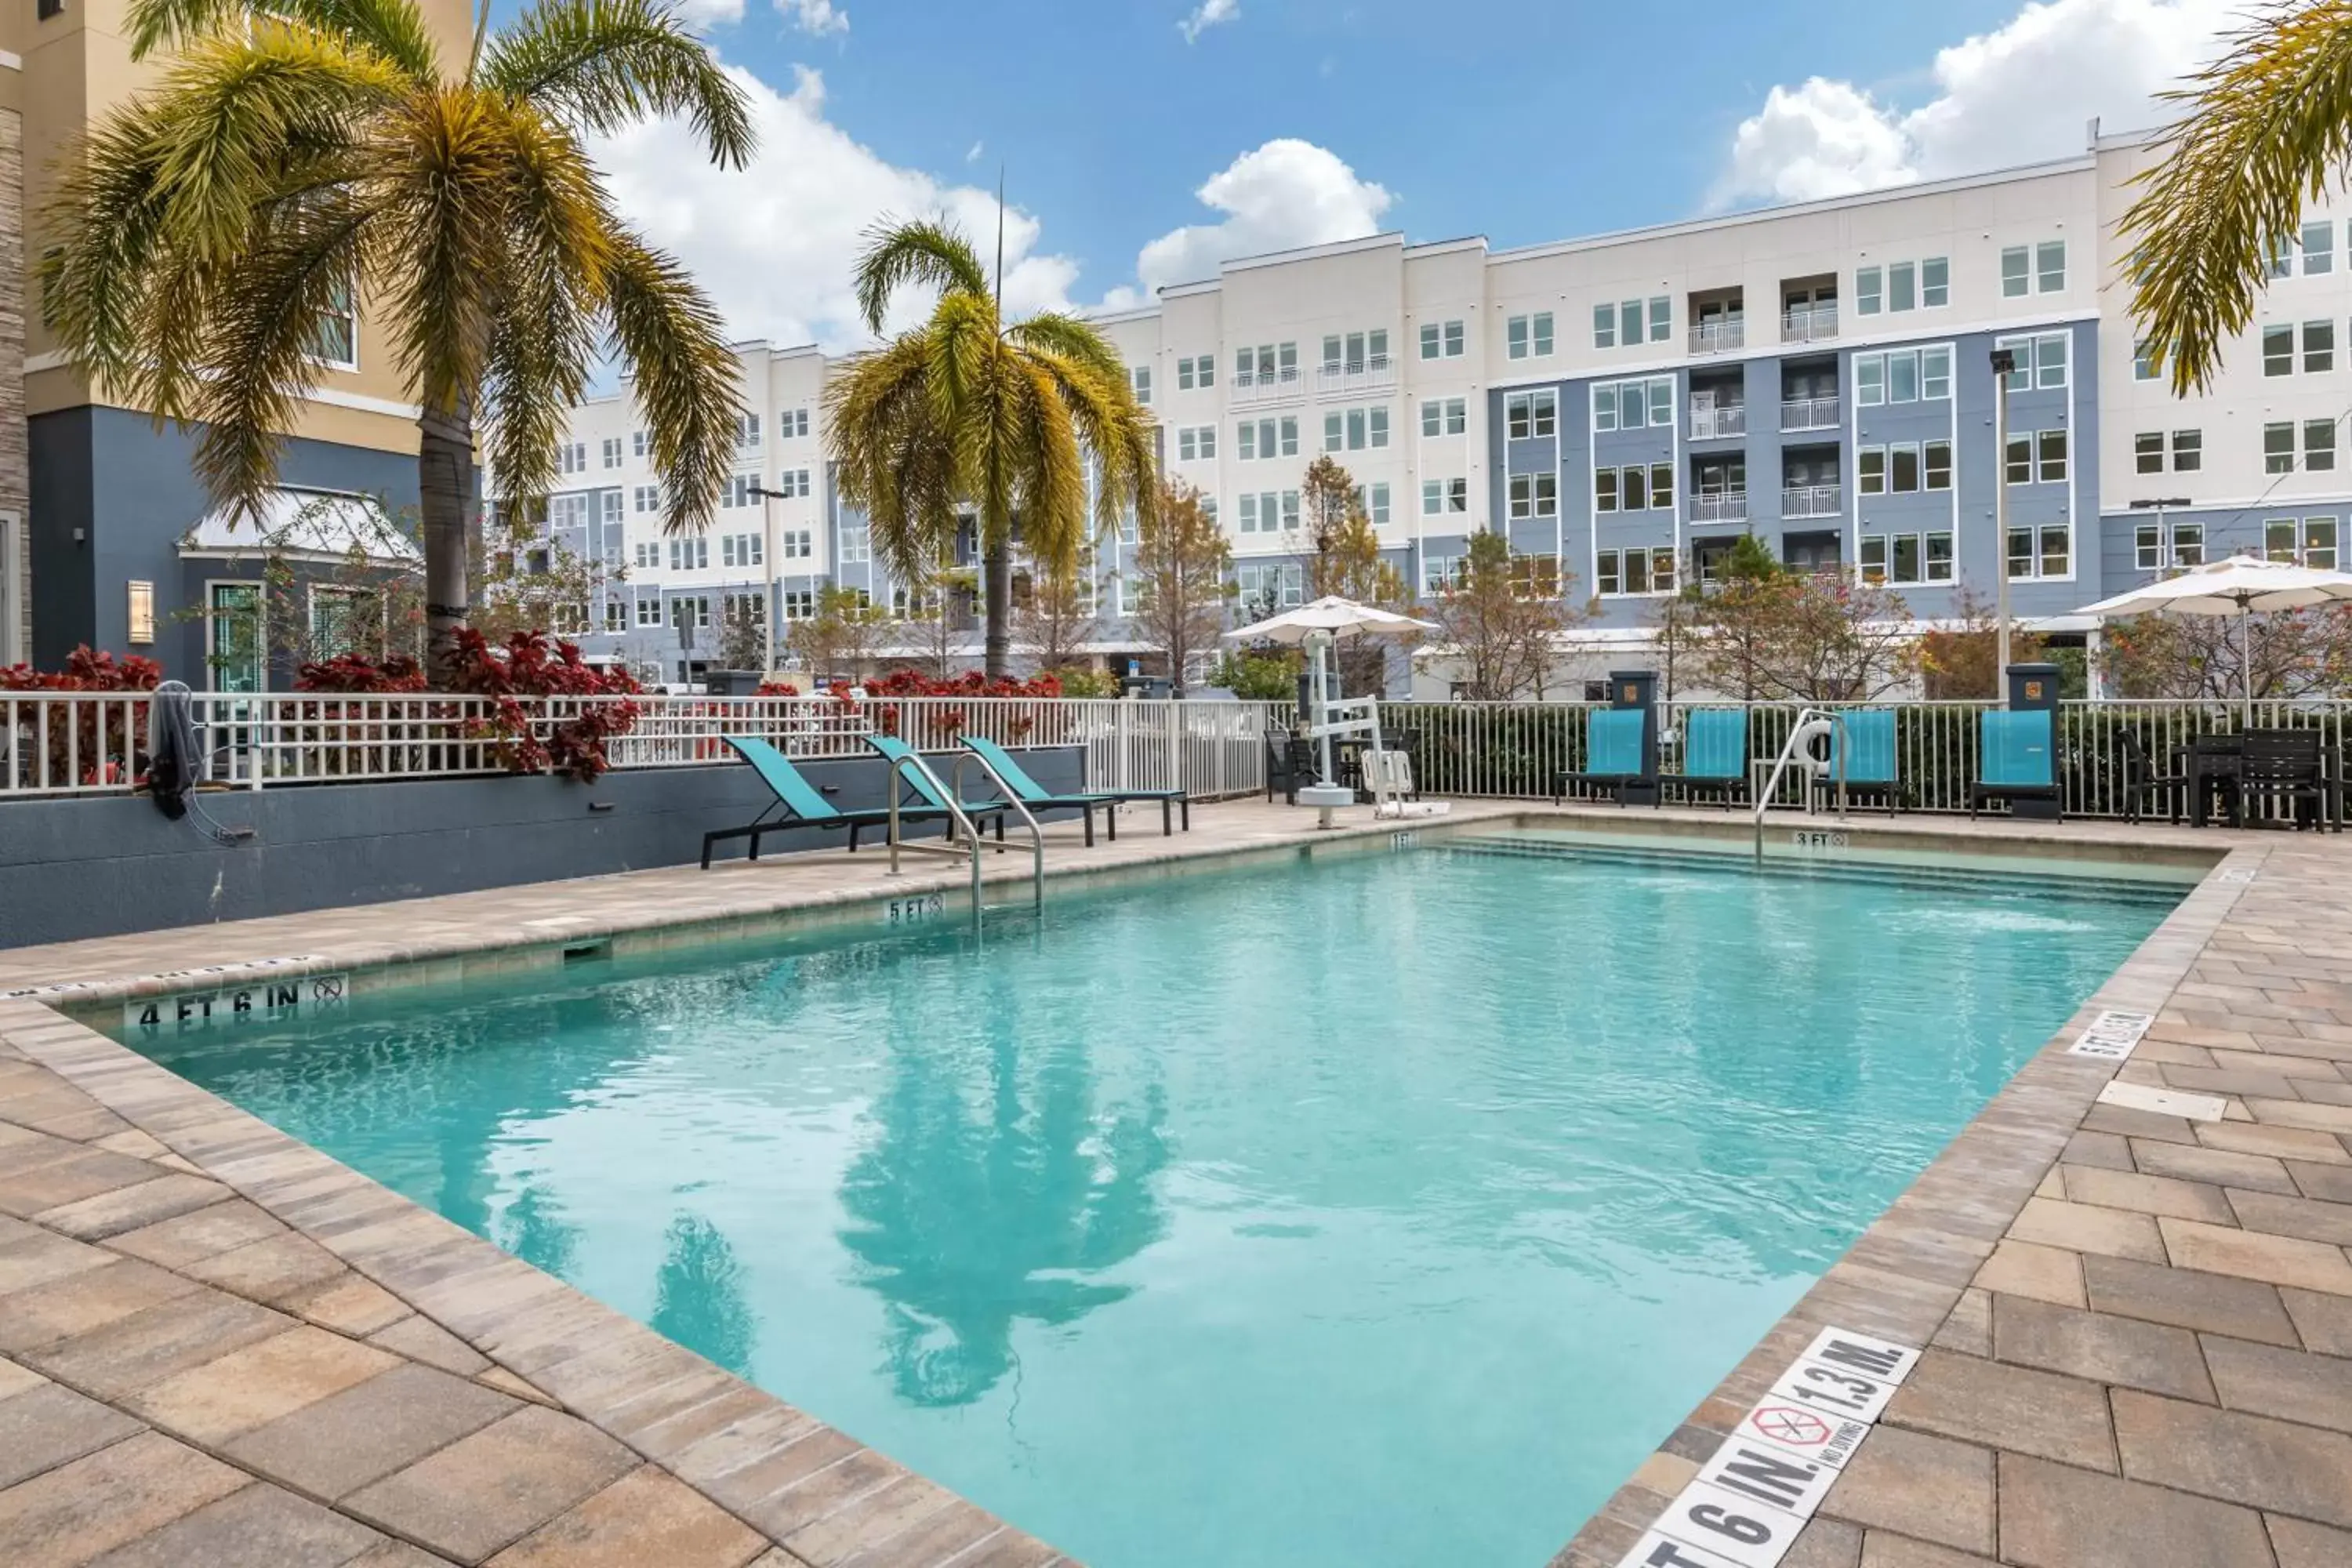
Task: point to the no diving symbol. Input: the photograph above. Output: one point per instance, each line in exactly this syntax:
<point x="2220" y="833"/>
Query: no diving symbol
<point x="329" y="989"/>
<point x="1798" y="1428"/>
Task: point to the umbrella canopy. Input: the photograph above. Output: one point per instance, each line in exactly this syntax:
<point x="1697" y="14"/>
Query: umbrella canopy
<point x="1333" y="616"/>
<point x="2239" y="585"/>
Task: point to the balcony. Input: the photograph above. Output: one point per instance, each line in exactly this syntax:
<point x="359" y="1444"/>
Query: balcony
<point x="1719" y="336"/>
<point x="1265" y="386"/>
<point x="1812" y="501"/>
<point x="1810" y="414"/>
<point x="1810" y="323"/>
<point x="1376" y="373"/>
<point x="1713" y="424"/>
<point x="1719" y="506"/>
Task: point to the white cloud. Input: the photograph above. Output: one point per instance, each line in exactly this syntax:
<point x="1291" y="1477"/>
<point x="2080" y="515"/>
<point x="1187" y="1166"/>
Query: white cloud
<point x="971" y="155"/>
<point x="775" y="244"/>
<point x="1285" y="193"/>
<point x="1208" y="14"/>
<point x="710" y="13"/>
<point x="816" y="17"/>
<point x="2018" y="93"/>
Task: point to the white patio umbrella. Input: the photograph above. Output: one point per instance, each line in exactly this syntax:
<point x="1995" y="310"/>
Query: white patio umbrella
<point x="2239" y="586"/>
<point x="1333" y="616"/>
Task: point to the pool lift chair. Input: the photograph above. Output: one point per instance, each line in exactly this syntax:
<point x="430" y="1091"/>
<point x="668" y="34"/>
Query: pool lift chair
<point x="1388" y="774"/>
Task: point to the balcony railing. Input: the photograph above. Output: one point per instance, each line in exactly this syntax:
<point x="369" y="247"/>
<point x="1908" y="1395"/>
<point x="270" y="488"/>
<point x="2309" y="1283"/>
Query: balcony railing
<point x="1809" y="323"/>
<point x="1376" y="373"/>
<point x="1719" y="506"/>
<point x="1719" y="336"/>
<point x="1709" y="424"/>
<point x="1810" y="414"/>
<point x="1812" y="501"/>
<point x="1265" y="387"/>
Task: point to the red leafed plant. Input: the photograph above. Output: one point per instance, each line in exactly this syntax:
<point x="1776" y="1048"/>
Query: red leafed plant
<point x="102" y="738"/>
<point x="941" y="726"/>
<point x="529" y="666"/>
<point x="351" y="672"/>
<point x="776" y="689"/>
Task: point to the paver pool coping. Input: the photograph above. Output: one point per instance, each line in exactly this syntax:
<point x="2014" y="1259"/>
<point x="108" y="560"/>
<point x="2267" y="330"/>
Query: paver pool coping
<point x="724" y="1456"/>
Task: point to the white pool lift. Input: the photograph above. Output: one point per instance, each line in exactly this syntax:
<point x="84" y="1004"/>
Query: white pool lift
<point x="1387" y="774"/>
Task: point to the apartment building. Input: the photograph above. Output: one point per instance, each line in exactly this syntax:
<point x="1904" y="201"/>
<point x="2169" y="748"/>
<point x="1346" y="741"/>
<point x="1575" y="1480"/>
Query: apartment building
<point x="116" y="544"/>
<point x="1623" y="407"/>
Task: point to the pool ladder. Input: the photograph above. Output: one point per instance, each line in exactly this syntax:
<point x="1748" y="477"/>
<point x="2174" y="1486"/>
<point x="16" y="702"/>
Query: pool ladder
<point x="960" y="823"/>
<point x="1811" y="722"/>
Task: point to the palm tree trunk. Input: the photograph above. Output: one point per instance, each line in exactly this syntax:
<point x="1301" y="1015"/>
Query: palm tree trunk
<point x="445" y="474"/>
<point x="998" y="581"/>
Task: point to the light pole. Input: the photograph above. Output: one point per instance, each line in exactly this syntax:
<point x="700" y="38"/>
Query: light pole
<point x="2004" y="362"/>
<point x="769" y="567"/>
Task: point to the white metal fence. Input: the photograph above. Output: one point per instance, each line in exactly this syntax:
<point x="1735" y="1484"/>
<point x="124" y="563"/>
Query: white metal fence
<point x="54" y="743"/>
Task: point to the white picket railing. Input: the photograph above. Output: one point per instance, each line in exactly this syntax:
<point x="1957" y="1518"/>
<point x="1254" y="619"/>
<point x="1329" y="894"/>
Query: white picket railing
<point x="54" y="743"/>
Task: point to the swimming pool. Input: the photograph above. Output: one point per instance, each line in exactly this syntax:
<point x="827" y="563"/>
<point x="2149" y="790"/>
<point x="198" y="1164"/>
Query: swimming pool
<point x="1382" y="1209"/>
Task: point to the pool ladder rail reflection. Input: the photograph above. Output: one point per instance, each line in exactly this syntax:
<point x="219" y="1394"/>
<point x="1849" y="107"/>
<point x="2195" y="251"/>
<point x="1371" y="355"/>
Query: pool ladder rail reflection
<point x="960" y="824"/>
<point x="1811" y="724"/>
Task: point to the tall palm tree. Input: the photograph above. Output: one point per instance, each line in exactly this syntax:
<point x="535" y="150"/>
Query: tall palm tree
<point x="295" y="155"/>
<point x="2269" y="125"/>
<point x="971" y="412"/>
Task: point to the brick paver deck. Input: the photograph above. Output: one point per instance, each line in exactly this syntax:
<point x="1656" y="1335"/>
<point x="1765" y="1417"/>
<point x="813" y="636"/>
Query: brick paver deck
<point x="218" y="1347"/>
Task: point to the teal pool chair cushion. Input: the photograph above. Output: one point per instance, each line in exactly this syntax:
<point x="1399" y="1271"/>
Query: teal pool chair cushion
<point x="1715" y="755"/>
<point x="1612" y="752"/>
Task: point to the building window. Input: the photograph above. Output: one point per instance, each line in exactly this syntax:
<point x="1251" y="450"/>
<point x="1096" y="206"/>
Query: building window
<point x="792" y="424"/>
<point x="1279" y="585"/>
<point x="649" y="610"/>
<point x="792" y="483"/>
<point x="2148" y="452"/>
<point x="2015" y="266"/>
<point x="1905" y="559"/>
<point x="567" y="511"/>
<point x="1935" y="282"/>
<point x="2187" y="451"/>
<point x="1869" y="290"/>
<point x="2318" y="445"/>
<point x="572" y="458"/>
<point x="747" y="432"/>
<point x="1629" y="571"/>
<point x="1628" y="404"/>
<point x="1528" y="337"/>
<point x="1196" y="371"/>
<point x="638" y="442"/>
<point x="2050" y="455"/>
<point x="337" y="340"/>
<point x="1374" y="499"/>
<point x="2318" y="248"/>
<point x="1355" y="429"/>
<point x="1196" y="443"/>
<point x="1442" y="340"/>
<point x="1902" y="286"/>
<point x="647" y="554"/>
<point x="857" y="546"/>
<point x="1440" y="574"/>
<point x="690" y="555"/>
<point x="611" y="451"/>
<point x="1529" y="415"/>
<point x="1444" y="417"/>
<point x="2049" y="266"/>
<point x="2318" y="347"/>
<point x="2278" y="351"/>
<point x="1903" y="375"/>
<point x="2041" y="361"/>
<point x="1267" y="438"/>
<point x="797" y="545"/>
<point x="2278" y="447"/>
<point x="2045" y="552"/>
<point x="2147" y="364"/>
<point x="737" y="490"/>
<point x="2319" y="542"/>
<point x="1440" y="497"/>
<point x="1139" y="378"/>
<point x="1939" y="464"/>
<point x="1534" y="495"/>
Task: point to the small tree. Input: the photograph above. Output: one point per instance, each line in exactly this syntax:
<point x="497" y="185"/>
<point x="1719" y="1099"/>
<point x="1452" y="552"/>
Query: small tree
<point x="1731" y="627"/>
<point x="932" y="618"/>
<point x="1181" y="562"/>
<point x="1341" y="546"/>
<point x="2292" y="653"/>
<point x="1766" y="633"/>
<point x="841" y="639"/>
<point x="743" y="634"/>
<point x="1501" y="627"/>
<point x="1057" y="620"/>
<point x="523" y="581"/>
<point x="1956" y="660"/>
<point x="1259" y="675"/>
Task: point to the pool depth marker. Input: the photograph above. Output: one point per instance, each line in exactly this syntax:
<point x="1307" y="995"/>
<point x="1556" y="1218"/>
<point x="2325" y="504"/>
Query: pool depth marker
<point x="1747" y="1505"/>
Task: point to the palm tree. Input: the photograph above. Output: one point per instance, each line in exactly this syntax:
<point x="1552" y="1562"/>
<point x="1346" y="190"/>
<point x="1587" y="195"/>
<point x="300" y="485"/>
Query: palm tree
<point x="968" y="412"/>
<point x="2269" y="125"/>
<point x="297" y="156"/>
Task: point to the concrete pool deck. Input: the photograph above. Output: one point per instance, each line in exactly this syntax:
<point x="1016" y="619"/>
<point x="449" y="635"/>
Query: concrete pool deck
<point x="218" y="1346"/>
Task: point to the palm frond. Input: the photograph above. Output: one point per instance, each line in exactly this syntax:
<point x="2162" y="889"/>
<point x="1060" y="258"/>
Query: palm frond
<point x="932" y="254"/>
<point x="2269" y="122"/>
<point x="444" y="177"/>
<point x="671" y="340"/>
<point x="1052" y="503"/>
<point x="395" y="29"/>
<point x="109" y="209"/>
<point x="893" y="460"/>
<point x="609" y="63"/>
<point x="1067" y="337"/>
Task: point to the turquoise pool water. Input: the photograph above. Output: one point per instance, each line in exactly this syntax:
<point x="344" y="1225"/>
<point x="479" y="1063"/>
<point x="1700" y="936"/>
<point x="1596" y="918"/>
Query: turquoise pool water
<point x="1381" y="1210"/>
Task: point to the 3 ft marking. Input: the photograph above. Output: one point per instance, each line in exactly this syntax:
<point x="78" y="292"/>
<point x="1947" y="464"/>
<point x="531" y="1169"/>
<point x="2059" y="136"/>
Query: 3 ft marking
<point x="922" y="906"/>
<point x="1819" y="839"/>
<point x="298" y="996"/>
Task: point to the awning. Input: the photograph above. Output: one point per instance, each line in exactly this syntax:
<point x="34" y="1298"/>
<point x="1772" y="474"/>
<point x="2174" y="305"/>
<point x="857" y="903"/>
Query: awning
<point x="306" y="525"/>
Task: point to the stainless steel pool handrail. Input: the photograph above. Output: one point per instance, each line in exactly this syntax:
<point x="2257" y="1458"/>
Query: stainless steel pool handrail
<point x="956" y="820"/>
<point x="1800" y="735"/>
<point x="1012" y="799"/>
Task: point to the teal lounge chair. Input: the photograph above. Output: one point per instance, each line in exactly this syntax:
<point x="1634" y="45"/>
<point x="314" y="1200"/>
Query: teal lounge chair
<point x="1613" y="753"/>
<point x="1864" y="738"/>
<point x="800" y="802"/>
<point x="920" y="794"/>
<point x="1715" y="755"/>
<point x="1032" y="793"/>
<point x="2016" y="759"/>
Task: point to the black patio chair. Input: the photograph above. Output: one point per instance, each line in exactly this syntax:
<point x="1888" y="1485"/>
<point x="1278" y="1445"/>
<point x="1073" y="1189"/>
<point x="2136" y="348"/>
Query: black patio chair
<point x="1289" y="762"/>
<point x="2141" y="781"/>
<point x="2289" y="767"/>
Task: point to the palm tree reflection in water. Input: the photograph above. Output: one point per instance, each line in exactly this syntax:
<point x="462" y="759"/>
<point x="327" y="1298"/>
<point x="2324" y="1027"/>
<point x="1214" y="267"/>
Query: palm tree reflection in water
<point x="973" y="1211"/>
<point x="698" y="1295"/>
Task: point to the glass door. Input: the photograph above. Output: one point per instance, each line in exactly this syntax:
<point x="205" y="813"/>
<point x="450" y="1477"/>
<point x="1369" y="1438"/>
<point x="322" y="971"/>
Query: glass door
<point x="234" y="637"/>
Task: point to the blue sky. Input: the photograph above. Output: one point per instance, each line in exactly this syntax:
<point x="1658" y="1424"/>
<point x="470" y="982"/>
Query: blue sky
<point x="1137" y="156"/>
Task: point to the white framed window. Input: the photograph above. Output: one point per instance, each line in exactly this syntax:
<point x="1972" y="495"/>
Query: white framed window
<point x="2278" y="447"/>
<point x="1604" y="325"/>
<point x="1935" y="282"/>
<point x="2016" y="271"/>
<point x="1630" y="404"/>
<point x="2278" y="350"/>
<point x="2043" y="552"/>
<point x="1530" y="414"/>
<point x="1280" y="583"/>
<point x="2049" y="266"/>
<point x="1662" y="318"/>
<point x="738" y="491"/>
<point x="797" y="545"/>
<point x="2187" y="451"/>
<point x="646" y="553"/>
<point x="2318" y="347"/>
<point x="792" y="483"/>
<point x="649" y="610"/>
<point x="611" y="451"/>
<point x="1439" y="498"/>
<point x="336" y="340"/>
<point x="1374" y="499"/>
<point x="1442" y="340"/>
<point x="1267" y="511"/>
<point x="1528" y="336"/>
<point x="2319" y="445"/>
<point x="568" y="510"/>
<point x="1444" y="417"/>
<point x="1352" y="354"/>
<point x="1904" y="559"/>
<point x="2282" y="258"/>
<point x="572" y="458"/>
<point x="1139" y="377"/>
<point x="799" y="604"/>
<point x="1636" y="571"/>
<point x="1196" y="443"/>
<point x="1442" y="573"/>
<point x="2147" y="364"/>
<point x="792" y="424"/>
<point x="616" y="617"/>
<point x="1196" y="372"/>
<point x="2318" y="248"/>
<point x="2154" y="551"/>
<point x="1258" y="440"/>
<point x="638" y="444"/>
<point x="2035" y="456"/>
<point x="690" y="610"/>
<point x="1534" y="495"/>
<point x="1356" y="429"/>
<point x="646" y="497"/>
<point x="747" y="432"/>
<point x="857" y="546"/>
<point x="1267" y="364"/>
<point x="690" y="553"/>
<point x="743" y="550"/>
<point x="2040" y="360"/>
